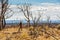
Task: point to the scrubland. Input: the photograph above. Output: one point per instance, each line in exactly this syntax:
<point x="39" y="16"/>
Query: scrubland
<point x="31" y="33"/>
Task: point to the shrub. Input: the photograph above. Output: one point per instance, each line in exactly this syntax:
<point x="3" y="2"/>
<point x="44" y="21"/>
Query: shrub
<point x="58" y="28"/>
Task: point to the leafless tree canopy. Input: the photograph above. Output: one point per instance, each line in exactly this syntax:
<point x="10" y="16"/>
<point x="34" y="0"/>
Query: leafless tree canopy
<point x="35" y="19"/>
<point x="26" y="11"/>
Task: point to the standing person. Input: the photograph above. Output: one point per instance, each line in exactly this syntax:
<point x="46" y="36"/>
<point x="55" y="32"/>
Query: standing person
<point x="20" y="26"/>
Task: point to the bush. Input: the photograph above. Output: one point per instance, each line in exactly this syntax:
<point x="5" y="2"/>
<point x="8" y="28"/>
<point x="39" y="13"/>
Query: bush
<point x="58" y="28"/>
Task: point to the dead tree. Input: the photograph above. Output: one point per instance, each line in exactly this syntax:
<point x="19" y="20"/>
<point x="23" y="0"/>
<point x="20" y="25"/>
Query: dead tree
<point x="4" y="7"/>
<point x="4" y="4"/>
<point x="36" y="19"/>
<point x="48" y="21"/>
<point x="25" y="8"/>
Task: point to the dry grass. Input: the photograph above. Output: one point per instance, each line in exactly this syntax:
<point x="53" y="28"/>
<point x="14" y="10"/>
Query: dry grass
<point x="31" y="33"/>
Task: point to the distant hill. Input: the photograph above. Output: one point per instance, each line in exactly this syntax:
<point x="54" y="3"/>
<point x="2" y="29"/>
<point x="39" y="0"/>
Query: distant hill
<point x="18" y="21"/>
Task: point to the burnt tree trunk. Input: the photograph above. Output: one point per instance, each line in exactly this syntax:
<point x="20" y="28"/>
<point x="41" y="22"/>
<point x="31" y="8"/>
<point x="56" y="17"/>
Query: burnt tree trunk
<point x="3" y="10"/>
<point x="28" y="23"/>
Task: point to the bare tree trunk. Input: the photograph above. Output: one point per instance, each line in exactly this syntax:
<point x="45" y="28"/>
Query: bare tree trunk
<point x="28" y="23"/>
<point x="1" y="23"/>
<point x="4" y="23"/>
<point x="3" y="10"/>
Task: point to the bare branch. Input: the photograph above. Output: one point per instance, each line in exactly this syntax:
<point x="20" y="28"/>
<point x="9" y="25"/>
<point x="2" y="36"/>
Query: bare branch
<point x="25" y="9"/>
<point x="35" y="18"/>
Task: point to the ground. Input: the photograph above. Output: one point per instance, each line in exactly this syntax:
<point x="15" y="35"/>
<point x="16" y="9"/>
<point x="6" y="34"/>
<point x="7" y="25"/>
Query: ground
<point x="31" y="33"/>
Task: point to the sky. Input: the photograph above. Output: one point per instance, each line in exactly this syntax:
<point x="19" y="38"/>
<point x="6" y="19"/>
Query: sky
<point x="33" y="1"/>
<point x="48" y="7"/>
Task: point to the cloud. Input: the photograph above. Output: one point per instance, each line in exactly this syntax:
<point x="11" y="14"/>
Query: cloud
<point x="49" y="9"/>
